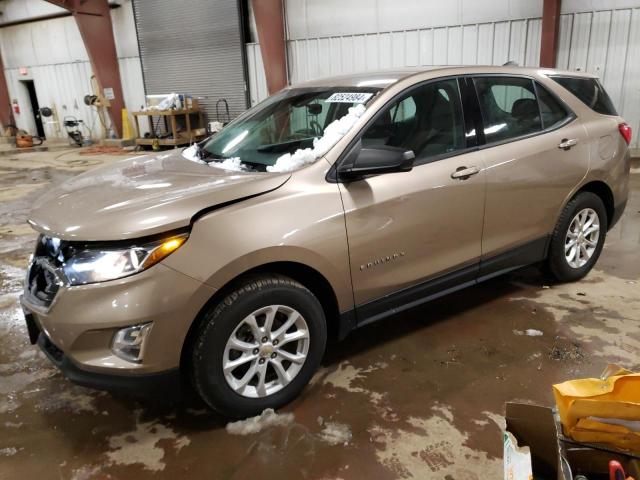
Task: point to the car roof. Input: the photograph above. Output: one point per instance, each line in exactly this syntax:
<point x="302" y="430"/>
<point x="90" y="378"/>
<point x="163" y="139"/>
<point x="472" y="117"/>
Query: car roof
<point x="385" y="78"/>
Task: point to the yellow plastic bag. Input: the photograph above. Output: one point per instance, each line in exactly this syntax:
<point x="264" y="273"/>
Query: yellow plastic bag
<point x="602" y="411"/>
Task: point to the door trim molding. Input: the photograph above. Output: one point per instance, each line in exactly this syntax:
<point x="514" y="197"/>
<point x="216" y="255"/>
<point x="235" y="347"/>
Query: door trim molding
<point x="443" y="284"/>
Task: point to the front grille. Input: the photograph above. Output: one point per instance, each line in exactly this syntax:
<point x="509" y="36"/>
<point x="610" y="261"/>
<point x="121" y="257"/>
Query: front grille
<point x="43" y="280"/>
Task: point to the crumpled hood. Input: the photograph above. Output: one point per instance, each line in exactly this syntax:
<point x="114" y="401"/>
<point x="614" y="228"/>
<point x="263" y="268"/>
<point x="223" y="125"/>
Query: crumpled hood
<point x="141" y="196"/>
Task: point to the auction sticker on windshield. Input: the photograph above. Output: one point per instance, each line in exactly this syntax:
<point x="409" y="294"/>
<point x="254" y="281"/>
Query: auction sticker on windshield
<point x="346" y="97"/>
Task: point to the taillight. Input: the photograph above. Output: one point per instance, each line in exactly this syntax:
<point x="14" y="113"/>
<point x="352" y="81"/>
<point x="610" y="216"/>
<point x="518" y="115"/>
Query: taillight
<point x="625" y="131"/>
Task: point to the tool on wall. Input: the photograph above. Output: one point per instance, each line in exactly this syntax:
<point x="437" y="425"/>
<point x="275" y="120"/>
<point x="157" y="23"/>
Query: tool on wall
<point x="100" y="103"/>
<point x="50" y="113"/>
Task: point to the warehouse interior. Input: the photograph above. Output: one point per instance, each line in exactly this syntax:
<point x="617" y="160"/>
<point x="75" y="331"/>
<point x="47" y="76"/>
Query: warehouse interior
<point x="110" y="111"/>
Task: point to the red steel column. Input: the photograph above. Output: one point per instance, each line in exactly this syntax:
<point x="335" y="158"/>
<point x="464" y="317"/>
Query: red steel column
<point x="270" y="24"/>
<point x="94" y="22"/>
<point x="550" y="27"/>
<point x="6" y="112"/>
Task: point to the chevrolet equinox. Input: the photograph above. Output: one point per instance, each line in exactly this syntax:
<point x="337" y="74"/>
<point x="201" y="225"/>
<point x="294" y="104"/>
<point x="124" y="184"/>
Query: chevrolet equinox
<point x="328" y="206"/>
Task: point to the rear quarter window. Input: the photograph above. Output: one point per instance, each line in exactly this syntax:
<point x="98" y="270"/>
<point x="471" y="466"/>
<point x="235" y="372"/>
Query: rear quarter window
<point x="590" y="91"/>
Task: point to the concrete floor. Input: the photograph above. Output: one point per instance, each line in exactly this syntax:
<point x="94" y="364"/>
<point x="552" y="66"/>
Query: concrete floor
<point x="420" y="395"/>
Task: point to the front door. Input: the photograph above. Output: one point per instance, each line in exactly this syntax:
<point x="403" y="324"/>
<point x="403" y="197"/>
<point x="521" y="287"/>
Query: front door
<point x="408" y="230"/>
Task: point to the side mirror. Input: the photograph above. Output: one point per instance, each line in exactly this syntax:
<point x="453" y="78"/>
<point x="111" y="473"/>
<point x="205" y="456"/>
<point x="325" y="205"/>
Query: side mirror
<point x="375" y="160"/>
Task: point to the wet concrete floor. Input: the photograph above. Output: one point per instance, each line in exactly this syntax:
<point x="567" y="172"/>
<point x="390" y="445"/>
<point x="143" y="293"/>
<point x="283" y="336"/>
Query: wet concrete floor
<point x="420" y="395"/>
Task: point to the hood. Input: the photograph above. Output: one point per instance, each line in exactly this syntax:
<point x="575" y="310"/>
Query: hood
<point x="141" y="196"/>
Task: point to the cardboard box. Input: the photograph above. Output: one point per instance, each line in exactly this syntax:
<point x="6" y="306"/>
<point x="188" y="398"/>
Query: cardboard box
<point x="555" y="457"/>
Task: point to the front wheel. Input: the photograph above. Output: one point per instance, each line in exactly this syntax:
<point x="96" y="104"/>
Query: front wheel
<point x="259" y="346"/>
<point x="578" y="238"/>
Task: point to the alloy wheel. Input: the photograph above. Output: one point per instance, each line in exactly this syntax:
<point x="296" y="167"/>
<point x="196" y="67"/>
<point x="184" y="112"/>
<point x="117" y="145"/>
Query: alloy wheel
<point x="266" y="351"/>
<point x="582" y="238"/>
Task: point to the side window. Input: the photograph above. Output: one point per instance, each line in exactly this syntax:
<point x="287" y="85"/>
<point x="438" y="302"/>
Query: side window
<point x="427" y="120"/>
<point x="509" y="107"/>
<point x="552" y="111"/>
<point x="404" y="110"/>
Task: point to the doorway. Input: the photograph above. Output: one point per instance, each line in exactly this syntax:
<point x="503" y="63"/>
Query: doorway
<point x="35" y="107"/>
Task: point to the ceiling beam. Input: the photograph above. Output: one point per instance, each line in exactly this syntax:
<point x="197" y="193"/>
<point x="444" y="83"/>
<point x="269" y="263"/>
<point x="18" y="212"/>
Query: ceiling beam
<point x="550" y="29"/>
<point x="269" y="16"/>
<point x="94" y="22"/>
<point x="6" y="112"/>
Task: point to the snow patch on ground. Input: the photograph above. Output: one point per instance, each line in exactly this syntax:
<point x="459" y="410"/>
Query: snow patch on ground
<point x="266" y="419"/>
<point x="530" y="332"/>
<point x="88" y="472"/>
<point x="346" y="375"/>
<point x="610" y="308"/>
<point x="17" y="382"/>
<point x="498" y="419"/>
<point x="332" y="135"/>
<point x="444" y="411"/>
<point x="140" y="446"/>
<point x="335" y="433"/>
<point x="8" y="451"/>
<point x="432" y="448"/>
<point x="73" y="399"/>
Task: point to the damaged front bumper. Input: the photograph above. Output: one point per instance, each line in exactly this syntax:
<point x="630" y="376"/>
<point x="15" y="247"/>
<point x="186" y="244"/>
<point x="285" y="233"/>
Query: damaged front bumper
<point x="76" y="330"/>
<point x="168" y="384"/>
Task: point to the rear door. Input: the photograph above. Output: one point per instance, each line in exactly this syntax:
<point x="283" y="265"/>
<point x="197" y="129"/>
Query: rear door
<point x="406" y="230"/>
<point x="535" y="153"/>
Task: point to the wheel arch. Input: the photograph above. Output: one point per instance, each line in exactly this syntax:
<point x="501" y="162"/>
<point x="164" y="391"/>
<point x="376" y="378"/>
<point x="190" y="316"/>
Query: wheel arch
<point x="602" y="190"/>
<point x="306" y="275"/>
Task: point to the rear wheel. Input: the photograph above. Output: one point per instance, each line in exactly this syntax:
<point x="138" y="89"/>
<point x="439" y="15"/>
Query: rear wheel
<point x="259" y="346"/>
<point x="578" y="238"/>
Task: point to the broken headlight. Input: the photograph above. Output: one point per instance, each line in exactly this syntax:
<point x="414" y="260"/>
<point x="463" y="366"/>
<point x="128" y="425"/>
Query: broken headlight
<point x="92" y="265"/>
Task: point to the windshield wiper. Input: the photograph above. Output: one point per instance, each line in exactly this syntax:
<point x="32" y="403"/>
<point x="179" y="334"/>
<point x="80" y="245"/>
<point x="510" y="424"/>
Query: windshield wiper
<point x="284" y="146"/>
<point x="201" y="153"/>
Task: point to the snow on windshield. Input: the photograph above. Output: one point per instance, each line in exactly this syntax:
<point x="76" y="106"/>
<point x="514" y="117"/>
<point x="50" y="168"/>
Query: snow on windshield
<point x="332" y="135"/>
<point x="301" y="157"/>
<point x="234" y="164"/>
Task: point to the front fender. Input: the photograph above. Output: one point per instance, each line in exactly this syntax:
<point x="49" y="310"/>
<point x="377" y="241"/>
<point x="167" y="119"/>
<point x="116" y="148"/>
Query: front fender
<point x="301" y="222"/>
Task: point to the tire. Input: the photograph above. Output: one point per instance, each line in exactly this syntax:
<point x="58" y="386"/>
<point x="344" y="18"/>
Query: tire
<point x="265" y="296"/>
<point x="559" y="263"/>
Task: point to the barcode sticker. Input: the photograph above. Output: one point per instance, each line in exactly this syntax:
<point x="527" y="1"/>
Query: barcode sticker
<point x="348" y="97"/>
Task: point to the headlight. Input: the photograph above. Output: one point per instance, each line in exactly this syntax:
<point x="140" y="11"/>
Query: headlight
<point x="93" y="265"/>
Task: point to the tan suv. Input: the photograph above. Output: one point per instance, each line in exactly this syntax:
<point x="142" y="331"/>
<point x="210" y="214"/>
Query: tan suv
<point x="328" y="206"/>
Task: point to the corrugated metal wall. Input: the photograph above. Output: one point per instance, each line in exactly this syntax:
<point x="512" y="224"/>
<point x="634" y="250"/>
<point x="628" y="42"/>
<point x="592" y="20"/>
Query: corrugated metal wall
<point x="194" y="48"/>
<point x="486" y="43"/>
<point x="255" y="72"/>
<point x="53" y="54"/>
<point x="62" y="86"/>
<point x="605" y="42"/>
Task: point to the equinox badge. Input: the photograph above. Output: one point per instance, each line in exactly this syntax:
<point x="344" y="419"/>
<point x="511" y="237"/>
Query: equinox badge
<point x="380" y="261"/>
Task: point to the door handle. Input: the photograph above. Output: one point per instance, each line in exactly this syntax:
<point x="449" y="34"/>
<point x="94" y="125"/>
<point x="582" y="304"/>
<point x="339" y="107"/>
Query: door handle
<point x="567" y="143"/>
<point x="463" y="173"/>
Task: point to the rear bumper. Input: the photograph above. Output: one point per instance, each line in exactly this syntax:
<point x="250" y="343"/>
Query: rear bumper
<point x="617" y="213"/>
<point x="167" y="384"/>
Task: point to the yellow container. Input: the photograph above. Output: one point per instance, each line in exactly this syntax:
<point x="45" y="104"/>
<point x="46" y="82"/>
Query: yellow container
<point x="603" y="411"/>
